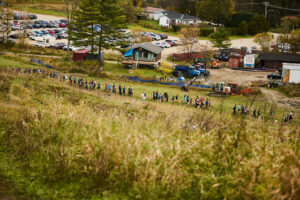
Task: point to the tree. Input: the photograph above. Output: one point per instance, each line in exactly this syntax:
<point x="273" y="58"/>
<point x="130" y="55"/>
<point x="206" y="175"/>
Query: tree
<point x="189" y="37"/>
<point x="243" y="28"/>
<point x="95" y="21"/>
<point x="130" y="11"/>
<point x="264" y="40"/>
<point x="292" y="39"/>
<point x="258" y="24"/>
<point x="6" y="16"/>
<point x="220" y="38"/>
<point x="71" y="6"/>
<point x="289" y="23"/>
<point x="217" y="11"/>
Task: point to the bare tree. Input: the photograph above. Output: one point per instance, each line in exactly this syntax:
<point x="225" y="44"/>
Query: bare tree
<point x="71" y="6"/>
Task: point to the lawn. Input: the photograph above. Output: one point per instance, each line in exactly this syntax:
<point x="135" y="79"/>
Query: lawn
<point x="45" y="9"/>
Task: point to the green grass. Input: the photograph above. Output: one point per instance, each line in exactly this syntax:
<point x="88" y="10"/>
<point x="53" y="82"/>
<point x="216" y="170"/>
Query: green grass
<point x="42" y="9"/>
<point x="137" y="27"/>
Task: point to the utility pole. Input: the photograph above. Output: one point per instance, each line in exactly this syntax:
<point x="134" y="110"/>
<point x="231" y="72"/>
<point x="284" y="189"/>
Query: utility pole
<point x="266" y="8"/>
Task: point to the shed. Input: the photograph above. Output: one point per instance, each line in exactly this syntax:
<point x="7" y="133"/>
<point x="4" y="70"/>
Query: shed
<point x="249" y="60"/>
<point x="80" y="55"/>
<point x="275" y="60"/>
<point x="290" y="73"/>
<point x="234" y="61"/>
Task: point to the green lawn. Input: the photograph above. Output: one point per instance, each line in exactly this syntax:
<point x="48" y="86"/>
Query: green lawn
<point x="56" y="10"/>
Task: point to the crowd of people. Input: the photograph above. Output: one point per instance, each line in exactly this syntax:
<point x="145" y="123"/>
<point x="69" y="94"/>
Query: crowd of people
<point x="157" y="96"/>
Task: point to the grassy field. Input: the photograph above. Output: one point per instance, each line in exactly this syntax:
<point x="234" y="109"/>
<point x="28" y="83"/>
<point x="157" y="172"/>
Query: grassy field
<point x="45" y="9"/>
<point x="60" y="142"/>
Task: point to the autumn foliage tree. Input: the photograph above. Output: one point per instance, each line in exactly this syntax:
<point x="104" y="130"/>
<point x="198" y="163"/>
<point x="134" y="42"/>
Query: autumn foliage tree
<point x="189" y="37"/>
<point x="264" y="40"/>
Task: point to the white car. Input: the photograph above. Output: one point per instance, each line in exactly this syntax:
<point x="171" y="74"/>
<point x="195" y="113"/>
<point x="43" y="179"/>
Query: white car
<point x="165" y="45"/>
<point x="157" y="44"/>
<point x="36" y="37"/>
<point x="73" y="48"/>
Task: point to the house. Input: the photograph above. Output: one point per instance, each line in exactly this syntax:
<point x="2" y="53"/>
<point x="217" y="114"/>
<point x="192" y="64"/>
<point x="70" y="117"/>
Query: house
<point x="275" y="60"/>
<point x="172" y="18"/>
<point x="143" y="54"/>
<point x="154" y="13"/>
<point x="290" y="73"/>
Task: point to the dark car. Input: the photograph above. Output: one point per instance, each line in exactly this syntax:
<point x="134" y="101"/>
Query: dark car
<point x="32" y="16"/>
<point x="57" y="30"/>
<point x="274" y="76"/>
<point x="29" y="26"/>
<point x="58" y="36"/>
<point x="163" y="36"/>
<point x="37" y="26"/>
<point x="15" y="36"/>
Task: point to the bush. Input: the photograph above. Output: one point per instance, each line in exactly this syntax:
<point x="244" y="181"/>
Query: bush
<point x="258" y="24"/>
<point x="291" y="90"/>
<point x="205" y="32"/>
<point x="176" y="28"/>
<point x="164" y="68"/>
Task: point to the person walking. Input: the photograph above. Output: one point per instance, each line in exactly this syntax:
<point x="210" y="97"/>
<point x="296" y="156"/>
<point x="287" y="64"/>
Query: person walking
<point x="154" y="95"/>
<point x="291" y="116"/>
<point x="254" y="113"/>
<point x="124" y="90"/>
<point x="239" y="108"/>
<point x="120" y="89"/>
<point x="258" y="113"/>
<point x="234" y="109"/>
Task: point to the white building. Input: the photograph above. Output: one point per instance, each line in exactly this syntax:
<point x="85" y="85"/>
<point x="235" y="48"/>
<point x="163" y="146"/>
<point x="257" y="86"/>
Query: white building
<point x="154" y="13"/>
<point x="290" y="73"/>
<point x="173" y="18"/>
<point x="249" y="60"/>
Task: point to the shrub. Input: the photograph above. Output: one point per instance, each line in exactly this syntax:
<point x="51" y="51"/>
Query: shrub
<point x="164" y="68"/>
<point x="205" y="32"/>
<point x="243" y="28"/>
<point x="176" y="28"/>
<point x="291" y="90"/>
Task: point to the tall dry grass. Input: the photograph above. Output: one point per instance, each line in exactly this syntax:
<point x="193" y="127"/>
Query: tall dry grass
<point x="74" y="145"/>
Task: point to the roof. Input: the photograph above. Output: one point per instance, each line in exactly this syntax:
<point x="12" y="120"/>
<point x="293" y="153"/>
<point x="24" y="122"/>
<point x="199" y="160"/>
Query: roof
<point x="82" y="51"/>
<point x="174" y="15"/>
<point x="149" y="47"/>
<point x="153" y="10"/>
<point x="281" y="57"/>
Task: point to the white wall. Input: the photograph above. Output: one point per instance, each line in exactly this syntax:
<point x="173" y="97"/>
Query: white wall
<point x="164" y="21"/>
<point x="294" y="72"/>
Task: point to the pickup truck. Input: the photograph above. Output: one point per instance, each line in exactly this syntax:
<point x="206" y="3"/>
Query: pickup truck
<point x="191" y="71"/>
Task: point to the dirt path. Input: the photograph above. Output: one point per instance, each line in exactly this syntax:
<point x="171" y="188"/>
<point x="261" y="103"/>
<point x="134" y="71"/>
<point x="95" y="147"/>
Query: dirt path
<point x="273" y="96"/>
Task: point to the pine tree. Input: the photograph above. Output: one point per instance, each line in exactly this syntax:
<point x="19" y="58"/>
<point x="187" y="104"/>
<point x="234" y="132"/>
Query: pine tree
<point x="85" y="19"/>
<point x="106" y="14"/>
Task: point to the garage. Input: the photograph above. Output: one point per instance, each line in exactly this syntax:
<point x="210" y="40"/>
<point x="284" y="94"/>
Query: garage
<point x="290" y="73"/>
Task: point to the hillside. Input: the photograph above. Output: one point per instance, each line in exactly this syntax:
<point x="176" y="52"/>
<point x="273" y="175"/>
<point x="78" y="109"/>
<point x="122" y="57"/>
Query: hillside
<point x="61" y="142"/>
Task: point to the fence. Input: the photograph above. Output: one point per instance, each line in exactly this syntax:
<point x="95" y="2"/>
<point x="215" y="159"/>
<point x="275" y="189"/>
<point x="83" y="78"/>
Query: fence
<point x="178" y="84"/>
<point x="41" y="63"/>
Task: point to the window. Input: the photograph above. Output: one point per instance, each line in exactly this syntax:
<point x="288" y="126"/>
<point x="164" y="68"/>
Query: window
<point x="145" y="54"/>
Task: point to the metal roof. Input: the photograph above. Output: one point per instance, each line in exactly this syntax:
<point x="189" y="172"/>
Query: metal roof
<point x="281" y="57"/>
<point x="149" y="47"/>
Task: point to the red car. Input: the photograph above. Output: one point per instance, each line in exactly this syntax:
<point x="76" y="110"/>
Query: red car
<point x="51" y="32"/>
<point x="62" y="25"/>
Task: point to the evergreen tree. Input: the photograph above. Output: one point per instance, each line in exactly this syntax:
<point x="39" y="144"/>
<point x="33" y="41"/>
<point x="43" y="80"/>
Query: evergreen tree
<point x="243" y="28"/>
<point x="258" y="24"/>
<point x="220" y="38"/>
<point x="106" y="15"/>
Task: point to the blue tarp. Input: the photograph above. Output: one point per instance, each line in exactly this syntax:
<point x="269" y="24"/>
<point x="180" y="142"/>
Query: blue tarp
<point x="128" y="53"/>
<point x="41" y="63"/>
<point x="179" y="84"/>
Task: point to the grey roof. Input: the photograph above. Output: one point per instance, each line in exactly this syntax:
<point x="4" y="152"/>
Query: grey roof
<point x="174" y="15"/>
<point x="280" y="57"/>
<point x="148" y="46"/>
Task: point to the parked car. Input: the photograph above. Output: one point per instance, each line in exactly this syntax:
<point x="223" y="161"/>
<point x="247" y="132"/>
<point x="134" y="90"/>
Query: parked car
<point x="51" y="31"/>
<point x="163" y="36"/>
<point x="36" y="26"/>
<point x="165" y="45"/>
<point x="170" y="42"/>
<point x="29" y="26"/>
<point x="72" y="48"/>
<point x="155" y="37"/>
<point x="274" y="76"/>
<point x="32" y="16"/>
<point x="59" y="45"/>
<point x="62" y="25"/>
<point x="37" y="38"/>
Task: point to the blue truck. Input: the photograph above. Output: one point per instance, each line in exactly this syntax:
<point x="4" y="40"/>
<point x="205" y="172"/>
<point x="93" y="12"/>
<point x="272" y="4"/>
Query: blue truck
<point x="189" y="71"/>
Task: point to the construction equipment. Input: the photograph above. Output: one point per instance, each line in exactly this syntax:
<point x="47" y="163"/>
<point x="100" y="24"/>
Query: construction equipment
<point x="218" y="89"/>
<point x="214" y="63"/>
